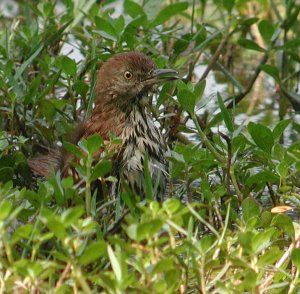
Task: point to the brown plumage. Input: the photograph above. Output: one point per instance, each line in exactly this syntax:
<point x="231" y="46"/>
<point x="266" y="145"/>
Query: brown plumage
<point x="122" y="83"/>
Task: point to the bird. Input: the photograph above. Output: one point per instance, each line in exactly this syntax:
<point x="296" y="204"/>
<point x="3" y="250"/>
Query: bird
<point x="123" y="83"/>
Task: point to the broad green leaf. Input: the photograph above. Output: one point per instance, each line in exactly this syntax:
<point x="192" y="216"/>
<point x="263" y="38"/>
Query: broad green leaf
<point x="5" y="209"/>
<point x="132" y="8"/>
<point x="68" y="65"/>
<point x="282" y="169"/>
<point x="164" y="265"/>
<point x="249" y="21"/>
<point x="226" y="115"/>
<point x="149" y="229"/>
<point x="94" y="143"/>
<point x="199" y="90"/>
<point x="171" y="205"/>
<point x="105" y="29"/>
<point x="292" y="43"/>
<point x="295" y="256"/>
<point x="81" y="87"/>
<point x="71" y="215"/>
<point x="269" y="257"/>
<point x="152" y="8"/>
<point x="266" y="30"/>
<point x="187" y="100"/>
<point x="280" y="128"/>
<point x="262" y="136"/>
<point x="169" y="11"/>
<point x="262" y="177"/>
<point x="285" y="223"/>
<point x="272" y="71"/>
<point x="73" y="149"/>
<point x="249" y="44"/>
<point x="101" y="169"/>
<point x="228" y="4"/>
<point x="6" y="174"/>
<point x="53" y="223"/>
<point x="93" y="252"/>
<point x="22" y="232"/>
<point x="249" y="209"/>
<point x="262" y="240"/>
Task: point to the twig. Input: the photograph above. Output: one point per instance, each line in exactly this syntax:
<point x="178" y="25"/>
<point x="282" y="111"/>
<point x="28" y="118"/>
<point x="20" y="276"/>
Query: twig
<point x="278" y="265"/>
<point x="240" y="96"/>
<point x="216" y="55"/>
<point x="183" y="139"/>
<point x="63" y="276"/>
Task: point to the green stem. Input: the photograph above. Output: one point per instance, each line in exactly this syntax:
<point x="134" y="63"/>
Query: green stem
<point x="88" y="186"/>
<point x="206" y="142"/>
<point x="235" y="184"/>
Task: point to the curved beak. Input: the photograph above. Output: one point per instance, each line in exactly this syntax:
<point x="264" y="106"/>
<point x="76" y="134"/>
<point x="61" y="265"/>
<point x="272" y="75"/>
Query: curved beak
<point x="162" y="75"/>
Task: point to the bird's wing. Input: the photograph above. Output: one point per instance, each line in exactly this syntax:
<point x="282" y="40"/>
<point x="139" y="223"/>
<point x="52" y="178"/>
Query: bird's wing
<point x="44" y="165"/>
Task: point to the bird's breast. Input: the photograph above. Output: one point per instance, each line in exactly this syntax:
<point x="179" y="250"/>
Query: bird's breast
<point x="140" y="136"/>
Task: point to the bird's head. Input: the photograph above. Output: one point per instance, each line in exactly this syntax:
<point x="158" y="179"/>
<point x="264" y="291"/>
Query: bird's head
<point x="127" y="77"/>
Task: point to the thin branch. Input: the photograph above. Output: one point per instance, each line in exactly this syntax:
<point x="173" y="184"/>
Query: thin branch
<point x="278" y="265"/>
<point x="216" y="55"/>
<point x="240" y="96"/>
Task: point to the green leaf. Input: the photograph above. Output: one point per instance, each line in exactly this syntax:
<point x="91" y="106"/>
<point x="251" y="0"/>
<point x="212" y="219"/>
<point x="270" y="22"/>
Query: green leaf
<point x="199" y="90"/>
<point x="249" y="209"/>
<point x="68" y="65"/>
<point x="249" y="44"/>
<point x="292" y="43"/>
<point x="22" y="232"/>
<point x="269" y="257"/>
<point x="101" y="169"/>
<point x="228" y="4"/>
<point x="282" y="169"/>
<point x="295" y="256"/>
<point x="133" y="8"/>
<point x="93" y="252"/>
<point x="116" y="266"/>
<point x="94" y="143"/>
<point x="53" y="223"/>
<point x="152" y="8"/>
<point x="272" y="71"/>
<point x="285" y="223"/>
<point x="81" y="88"/>
<point x="73" y="149"/>
<point x="187" y="100"/>
<point x="266" y="30"/>
<point x="249" y="21"/>
<point x="6" y="174"/>
<point x="106" y="29"/>
<point x="71" y="215"/>
<point x="226" y="115"/>
<point x="149" y="229"/>
<point x="5" y="209"/>
<point x="262" y="136"/>
<point x="171" y="205"/>
<point x="262" y="240"/>
<point x="280" y="127"/>
<point x="169" y="11"/>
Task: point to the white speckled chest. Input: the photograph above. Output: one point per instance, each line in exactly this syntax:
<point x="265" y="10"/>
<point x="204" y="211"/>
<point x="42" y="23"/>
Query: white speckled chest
<point x="139" y="137"/>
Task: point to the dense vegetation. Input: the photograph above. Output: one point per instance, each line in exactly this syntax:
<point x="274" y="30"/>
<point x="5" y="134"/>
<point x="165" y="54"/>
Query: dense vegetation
<point x="234" y="150"/>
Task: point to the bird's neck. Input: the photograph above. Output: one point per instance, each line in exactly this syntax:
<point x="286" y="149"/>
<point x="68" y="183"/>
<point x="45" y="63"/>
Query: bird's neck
<point x="111" y="115"/>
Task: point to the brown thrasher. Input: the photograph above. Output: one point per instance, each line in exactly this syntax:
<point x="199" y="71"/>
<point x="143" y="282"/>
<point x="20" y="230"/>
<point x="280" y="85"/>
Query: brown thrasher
<point x="123" y="82"/>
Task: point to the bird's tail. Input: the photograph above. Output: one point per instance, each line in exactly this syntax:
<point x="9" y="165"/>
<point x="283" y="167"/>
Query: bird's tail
<point x="45" y="164"/>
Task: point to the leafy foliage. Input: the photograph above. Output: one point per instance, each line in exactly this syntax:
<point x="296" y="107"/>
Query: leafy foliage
<point x="234" y="153"/>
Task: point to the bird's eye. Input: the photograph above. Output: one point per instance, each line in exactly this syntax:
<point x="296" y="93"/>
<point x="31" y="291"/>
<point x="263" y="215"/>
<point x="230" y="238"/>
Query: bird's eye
<point x="127" y="75"/>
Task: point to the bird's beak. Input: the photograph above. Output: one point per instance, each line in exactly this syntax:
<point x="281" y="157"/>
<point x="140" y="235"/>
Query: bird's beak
<point x="162" y="75"/>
